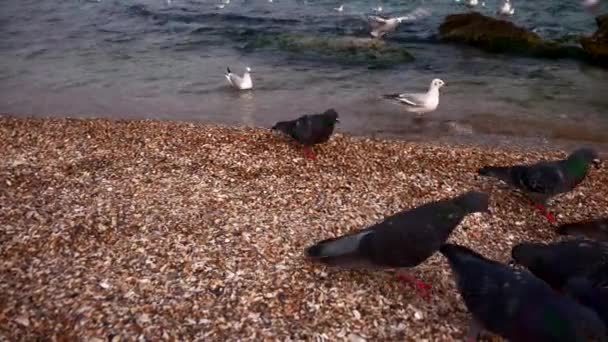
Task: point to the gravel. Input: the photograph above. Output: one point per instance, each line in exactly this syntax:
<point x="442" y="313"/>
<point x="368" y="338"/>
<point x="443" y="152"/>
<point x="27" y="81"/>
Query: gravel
<point x="147" y="230"/>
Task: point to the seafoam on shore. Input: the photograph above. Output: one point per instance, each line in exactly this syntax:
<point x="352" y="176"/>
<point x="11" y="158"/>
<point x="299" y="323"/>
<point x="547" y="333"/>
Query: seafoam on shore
<point x="121" y="229"/>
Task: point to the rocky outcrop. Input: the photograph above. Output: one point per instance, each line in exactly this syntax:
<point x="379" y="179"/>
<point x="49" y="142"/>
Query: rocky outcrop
<point x="497" y="35"/>
<point x="597" y="44"/>
<point x="373" y="52"/>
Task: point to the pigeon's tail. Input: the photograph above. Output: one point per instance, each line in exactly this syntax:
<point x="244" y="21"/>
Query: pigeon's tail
<point x="500" y="172"/>
<point x="337" y="250"/>
<point x="592" y="230"/>
<point x="474" y="202"/>
<point x="284" y="126"/>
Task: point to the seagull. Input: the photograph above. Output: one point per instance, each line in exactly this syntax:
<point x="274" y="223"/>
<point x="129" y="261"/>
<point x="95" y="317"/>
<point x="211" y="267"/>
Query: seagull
<point x="339" y="9"/>
<point x="420" y="103"/>
<point x="506" y="9"/>
<point x="377" y="9"/>
<point x="220" y="6"/>
<point x="383" y="25"/>
<point x="241" y="83"/>
<point x="590" y="5"/>
<point x="471" y="3"/>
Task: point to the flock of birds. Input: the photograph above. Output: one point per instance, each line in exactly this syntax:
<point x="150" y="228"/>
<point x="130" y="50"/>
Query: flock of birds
<point x="563" y="294"/>
<point x="562" y="297"/>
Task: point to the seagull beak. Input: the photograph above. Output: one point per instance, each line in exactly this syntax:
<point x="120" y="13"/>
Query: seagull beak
<point x="597" y="163"/>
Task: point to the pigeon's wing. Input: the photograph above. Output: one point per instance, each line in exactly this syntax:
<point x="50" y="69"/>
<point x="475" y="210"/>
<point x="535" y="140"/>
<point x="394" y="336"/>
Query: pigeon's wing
<point x="303" y="130"/>
<point x="514" y="304"/>
<point x="593" y="229"/>
<point x="542" y="178"/>
<point x="408" y="238"/>
<point x="321" y="128"/>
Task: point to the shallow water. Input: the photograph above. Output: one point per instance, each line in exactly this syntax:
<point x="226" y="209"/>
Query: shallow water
<point x="151" y="59"/>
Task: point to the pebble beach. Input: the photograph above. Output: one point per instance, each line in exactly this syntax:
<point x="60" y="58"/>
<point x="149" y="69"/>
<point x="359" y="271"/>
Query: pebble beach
<point x="154" y="230"/>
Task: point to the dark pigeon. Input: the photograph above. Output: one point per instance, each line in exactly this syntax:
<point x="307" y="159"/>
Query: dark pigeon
<point x="593" y="229"/>
<point x="403" y="240"/>
<point x="557" y="262"/>
<point x="543" y="180"/>
<point x="516" y="305"/>
<point x="595" y="298"/>
<point x="310" y="130"/>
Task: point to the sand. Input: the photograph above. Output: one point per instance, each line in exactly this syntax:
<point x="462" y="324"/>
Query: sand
<point x="116" y="230"/>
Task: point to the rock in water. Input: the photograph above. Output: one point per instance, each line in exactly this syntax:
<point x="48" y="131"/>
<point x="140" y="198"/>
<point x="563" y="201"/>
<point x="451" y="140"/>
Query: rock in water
<point x="516" y="305"/>
<point x="497" y="35"/>
<point x="557" y="262"/>
<point x="597" y="44"/>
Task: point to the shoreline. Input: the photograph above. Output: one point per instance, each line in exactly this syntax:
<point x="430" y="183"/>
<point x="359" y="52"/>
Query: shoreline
<point x="196" y="231"/>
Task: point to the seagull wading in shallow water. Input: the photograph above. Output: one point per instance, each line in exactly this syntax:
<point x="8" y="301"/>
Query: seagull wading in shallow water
<point x="241" y="83"/>
<point x="339" y="9"/>
<point x="506" y="9"/>
<point x="420" y="103"/>
<point x="590" y="5"/>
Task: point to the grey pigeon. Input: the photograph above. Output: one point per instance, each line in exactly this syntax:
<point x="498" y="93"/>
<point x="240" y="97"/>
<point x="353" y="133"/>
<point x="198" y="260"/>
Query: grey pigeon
<point x="545" y="179"/>
<point x="593" y="229"/>
<point x="557" y="262"/>
<point x="516" y="305"/>
<point x="310" y="130"/>
<point x="595" y="298"/>
<point x="403" y="240"/>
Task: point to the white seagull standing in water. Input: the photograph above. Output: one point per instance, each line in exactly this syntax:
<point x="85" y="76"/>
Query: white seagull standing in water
<point x="506" y="9"/>
<point x="339" y="9"/>
<point x="420" y="103"/>
<point x="241" y="83"/>
<point x="382" y="25"/>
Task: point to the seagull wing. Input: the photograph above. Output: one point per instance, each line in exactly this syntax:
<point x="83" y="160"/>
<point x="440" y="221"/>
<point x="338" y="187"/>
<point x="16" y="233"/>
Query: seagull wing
<point x="376" y="21"/>
<point x="416" y="100"/>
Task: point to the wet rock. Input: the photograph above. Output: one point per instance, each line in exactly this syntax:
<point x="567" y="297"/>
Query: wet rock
<point x="597" y="44"/>
<point x="497" y="35"/>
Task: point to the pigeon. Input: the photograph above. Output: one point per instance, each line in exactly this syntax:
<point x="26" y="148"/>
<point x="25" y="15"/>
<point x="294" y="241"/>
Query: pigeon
<point x="310" y="130"/>
<point x="516" y="305"/>
<point x="556" y="262"/>
<point x="419" y="103"/>
<point x="241" y="83"/>
<point x="595" y="298"/>
<point x="382" y="25"/>
<point x="506" y="9"/>
<point x="545" y="179"/>
<point x="594" y="229"/>
<point x="403" y="240"/>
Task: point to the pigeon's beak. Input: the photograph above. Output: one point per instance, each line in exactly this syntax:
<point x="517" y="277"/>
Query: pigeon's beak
<point x="597" y="163"/>
<point x="512" y="262"/>
<point x="337" y="120"/>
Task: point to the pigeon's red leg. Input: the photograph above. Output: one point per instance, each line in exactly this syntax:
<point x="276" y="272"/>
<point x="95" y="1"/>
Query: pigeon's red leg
<point x="545" y="212"/>
<point x="308" y="152"/>
<point x="422" y="287"/>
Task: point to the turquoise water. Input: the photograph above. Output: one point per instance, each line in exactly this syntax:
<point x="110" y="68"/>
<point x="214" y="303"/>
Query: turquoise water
<point x="151" y="59"/>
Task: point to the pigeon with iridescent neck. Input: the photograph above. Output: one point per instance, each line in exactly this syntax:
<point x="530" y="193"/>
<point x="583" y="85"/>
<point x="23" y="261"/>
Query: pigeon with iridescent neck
<point x="543" y="180"/>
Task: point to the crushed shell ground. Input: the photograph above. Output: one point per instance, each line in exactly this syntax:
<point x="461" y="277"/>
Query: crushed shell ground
<point x="141" y="230"/>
